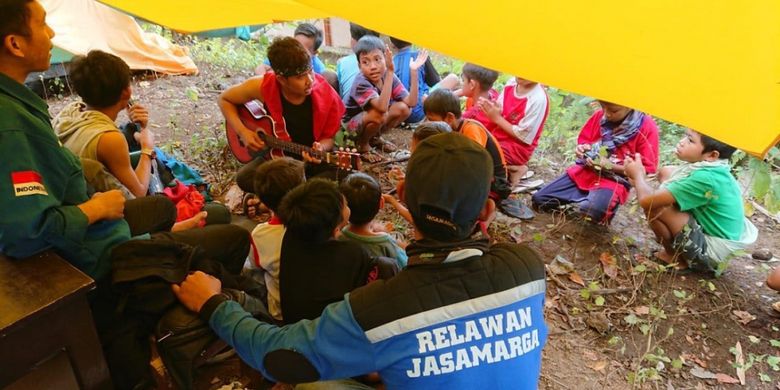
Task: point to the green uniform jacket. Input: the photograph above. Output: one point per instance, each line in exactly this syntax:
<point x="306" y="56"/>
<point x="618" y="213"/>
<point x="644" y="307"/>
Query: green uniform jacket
<point x="41" y="184"/>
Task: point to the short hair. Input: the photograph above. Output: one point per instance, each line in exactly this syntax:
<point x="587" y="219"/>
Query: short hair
<point x="441" y="101"/>
<point x="367" y="44"/>
<point x="275" y="178"/>
<point x="357" y="31"/>
<point x="312" y="210"/>
<point x="99" y="78"/>
<point x="429" y="129"/>
<point x="288" y="57"/>
<point x="711" y="144"/>
<point x="399" y="43"/>
<point x="311" y="31"/>
<point x="484" y="76"/>
<point x="14" y="18"/>
<point x="363" y="195"/>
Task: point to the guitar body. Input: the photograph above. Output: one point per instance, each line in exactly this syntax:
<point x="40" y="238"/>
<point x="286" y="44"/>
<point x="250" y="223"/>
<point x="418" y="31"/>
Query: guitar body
<point x="254" y="117"/>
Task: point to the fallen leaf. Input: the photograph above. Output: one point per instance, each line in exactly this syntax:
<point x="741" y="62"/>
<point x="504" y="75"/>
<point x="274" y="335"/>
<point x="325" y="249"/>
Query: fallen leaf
<point x="609" y="264"/>
<point x="694" y="358"/>
<point x="599" y="365"/>
<point x="642" y="310"/>
<point x="743" y="317"/>
<point x="564" y="263"/>
<point x="740" y="360"/>
<point x="723" y="378"/>
<point x="702" y="373"/>
<point x="576" y="278"/>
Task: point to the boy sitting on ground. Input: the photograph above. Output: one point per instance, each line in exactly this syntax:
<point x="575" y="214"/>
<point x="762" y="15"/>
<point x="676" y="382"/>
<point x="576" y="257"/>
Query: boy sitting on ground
<point x="697" y="212"/>
<point x="364" y="198"/>
<point x="378" y="101"/>
<point x="443" y="105"/>
<point x="422" y="132"/>
<point x="316" y="269"/>
<point x="477" y="82"/>
<point x="272" y="181"/>
<point x="516" y="119"/>
<point x="597" y="183"/>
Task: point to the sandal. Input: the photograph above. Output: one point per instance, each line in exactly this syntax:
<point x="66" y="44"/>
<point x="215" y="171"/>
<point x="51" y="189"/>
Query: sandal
<point x="371" y="157"/>
<point x="516" y="209"/>
<point x="383" y="145"/>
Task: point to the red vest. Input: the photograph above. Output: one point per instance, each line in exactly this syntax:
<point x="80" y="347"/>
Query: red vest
<point x="325" y="101"/>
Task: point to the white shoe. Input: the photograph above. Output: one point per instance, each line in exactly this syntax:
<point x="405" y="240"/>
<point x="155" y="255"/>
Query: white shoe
<point x="528" y="175"/>
<point x="527" y="185"/>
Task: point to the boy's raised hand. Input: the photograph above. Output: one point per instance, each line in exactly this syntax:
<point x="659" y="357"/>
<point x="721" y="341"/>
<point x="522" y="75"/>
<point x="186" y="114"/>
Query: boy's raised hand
<point x="633" y="166"/>
<point x="389" y="59"/>
<point x="418" y="62"/>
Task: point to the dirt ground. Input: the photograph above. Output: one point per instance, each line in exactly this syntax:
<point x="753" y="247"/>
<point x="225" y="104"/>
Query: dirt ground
<point x="615" y="321"/>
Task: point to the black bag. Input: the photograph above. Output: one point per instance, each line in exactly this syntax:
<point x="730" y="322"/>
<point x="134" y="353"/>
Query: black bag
<point x="142" y="272"/>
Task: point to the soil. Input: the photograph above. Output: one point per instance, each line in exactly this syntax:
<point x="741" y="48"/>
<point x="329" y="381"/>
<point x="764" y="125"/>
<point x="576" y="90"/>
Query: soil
<point x="664" y="329"/>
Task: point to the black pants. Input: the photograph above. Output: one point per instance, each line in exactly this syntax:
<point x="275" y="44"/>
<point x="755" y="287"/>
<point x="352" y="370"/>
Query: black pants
<point x="125" y="338"/>
<point x="157" y="213"/>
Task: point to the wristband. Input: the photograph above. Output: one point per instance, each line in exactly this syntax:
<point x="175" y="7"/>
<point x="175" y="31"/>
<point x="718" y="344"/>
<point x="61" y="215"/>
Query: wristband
<point x="148" y="152"/>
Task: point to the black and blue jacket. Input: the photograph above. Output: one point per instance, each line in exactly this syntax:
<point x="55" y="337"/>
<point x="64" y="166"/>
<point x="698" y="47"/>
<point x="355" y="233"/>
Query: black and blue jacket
<point x="458" y="317"/>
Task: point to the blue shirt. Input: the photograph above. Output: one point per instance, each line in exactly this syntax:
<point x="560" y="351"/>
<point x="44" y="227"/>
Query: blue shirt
<point x="347" y="69"/>
<point x="401" y="62"/>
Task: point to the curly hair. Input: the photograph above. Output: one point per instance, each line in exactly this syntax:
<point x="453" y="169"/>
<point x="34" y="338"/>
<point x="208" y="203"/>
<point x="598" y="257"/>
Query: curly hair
<point x="288" y="57"/>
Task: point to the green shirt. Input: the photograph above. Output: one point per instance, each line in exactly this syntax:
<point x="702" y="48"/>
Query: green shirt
<point x="380" y="245"/>
<point x="42" y="185"/>
<point x="712" y="196"/>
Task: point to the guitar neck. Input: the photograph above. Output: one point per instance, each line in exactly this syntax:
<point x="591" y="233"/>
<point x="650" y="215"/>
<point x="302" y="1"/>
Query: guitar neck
<point x="291" y="147"/>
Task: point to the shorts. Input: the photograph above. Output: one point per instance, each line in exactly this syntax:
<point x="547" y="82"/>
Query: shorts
<point x="691" y="244"/>
<point x="354" y="125"/>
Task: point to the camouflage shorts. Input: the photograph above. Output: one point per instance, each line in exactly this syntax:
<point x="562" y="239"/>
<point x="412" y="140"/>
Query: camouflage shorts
<point x="691" y="243"/>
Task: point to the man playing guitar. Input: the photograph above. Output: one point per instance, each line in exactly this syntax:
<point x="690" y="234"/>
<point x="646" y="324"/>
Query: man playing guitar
<point x="305" y="108"/>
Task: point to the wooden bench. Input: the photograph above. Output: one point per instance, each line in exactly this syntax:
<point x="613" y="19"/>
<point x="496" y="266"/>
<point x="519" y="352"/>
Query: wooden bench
<point x="47" y="335"/>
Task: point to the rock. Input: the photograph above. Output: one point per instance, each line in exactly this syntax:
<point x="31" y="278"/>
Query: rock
<point x="599" y="322"/>
<point x="762" y="254"/>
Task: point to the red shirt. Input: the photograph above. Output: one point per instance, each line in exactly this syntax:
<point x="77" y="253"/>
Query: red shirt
<point x="644" y="143"/>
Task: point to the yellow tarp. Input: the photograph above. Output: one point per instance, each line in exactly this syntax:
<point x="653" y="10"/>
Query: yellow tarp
<point x="710" y="65"/>
<point x="204" y="15"/>
<point x="84" y="25"/>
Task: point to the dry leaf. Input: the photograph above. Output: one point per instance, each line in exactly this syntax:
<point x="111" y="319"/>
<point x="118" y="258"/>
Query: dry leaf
<point x="743" y="317"/>
<point x="723" y="378"/>
<point x="702" y="373"/>
<point x="576" y="278"/>
<point x="609" y="264"/>
<point x="739" y="358"/>
<point x="599" y="365"/>
<point x="642" y="310"/>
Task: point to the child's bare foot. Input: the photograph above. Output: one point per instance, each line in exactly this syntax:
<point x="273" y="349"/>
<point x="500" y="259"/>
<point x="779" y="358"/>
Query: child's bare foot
<point x="677" y="261"/>
<point x="196" y="221"/>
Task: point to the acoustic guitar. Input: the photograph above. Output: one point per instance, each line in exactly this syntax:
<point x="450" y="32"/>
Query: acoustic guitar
<point x="254" y="117"/>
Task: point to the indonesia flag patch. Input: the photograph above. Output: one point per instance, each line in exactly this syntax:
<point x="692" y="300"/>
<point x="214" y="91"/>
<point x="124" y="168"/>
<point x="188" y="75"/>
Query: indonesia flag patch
<point x="28" y="183"/>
